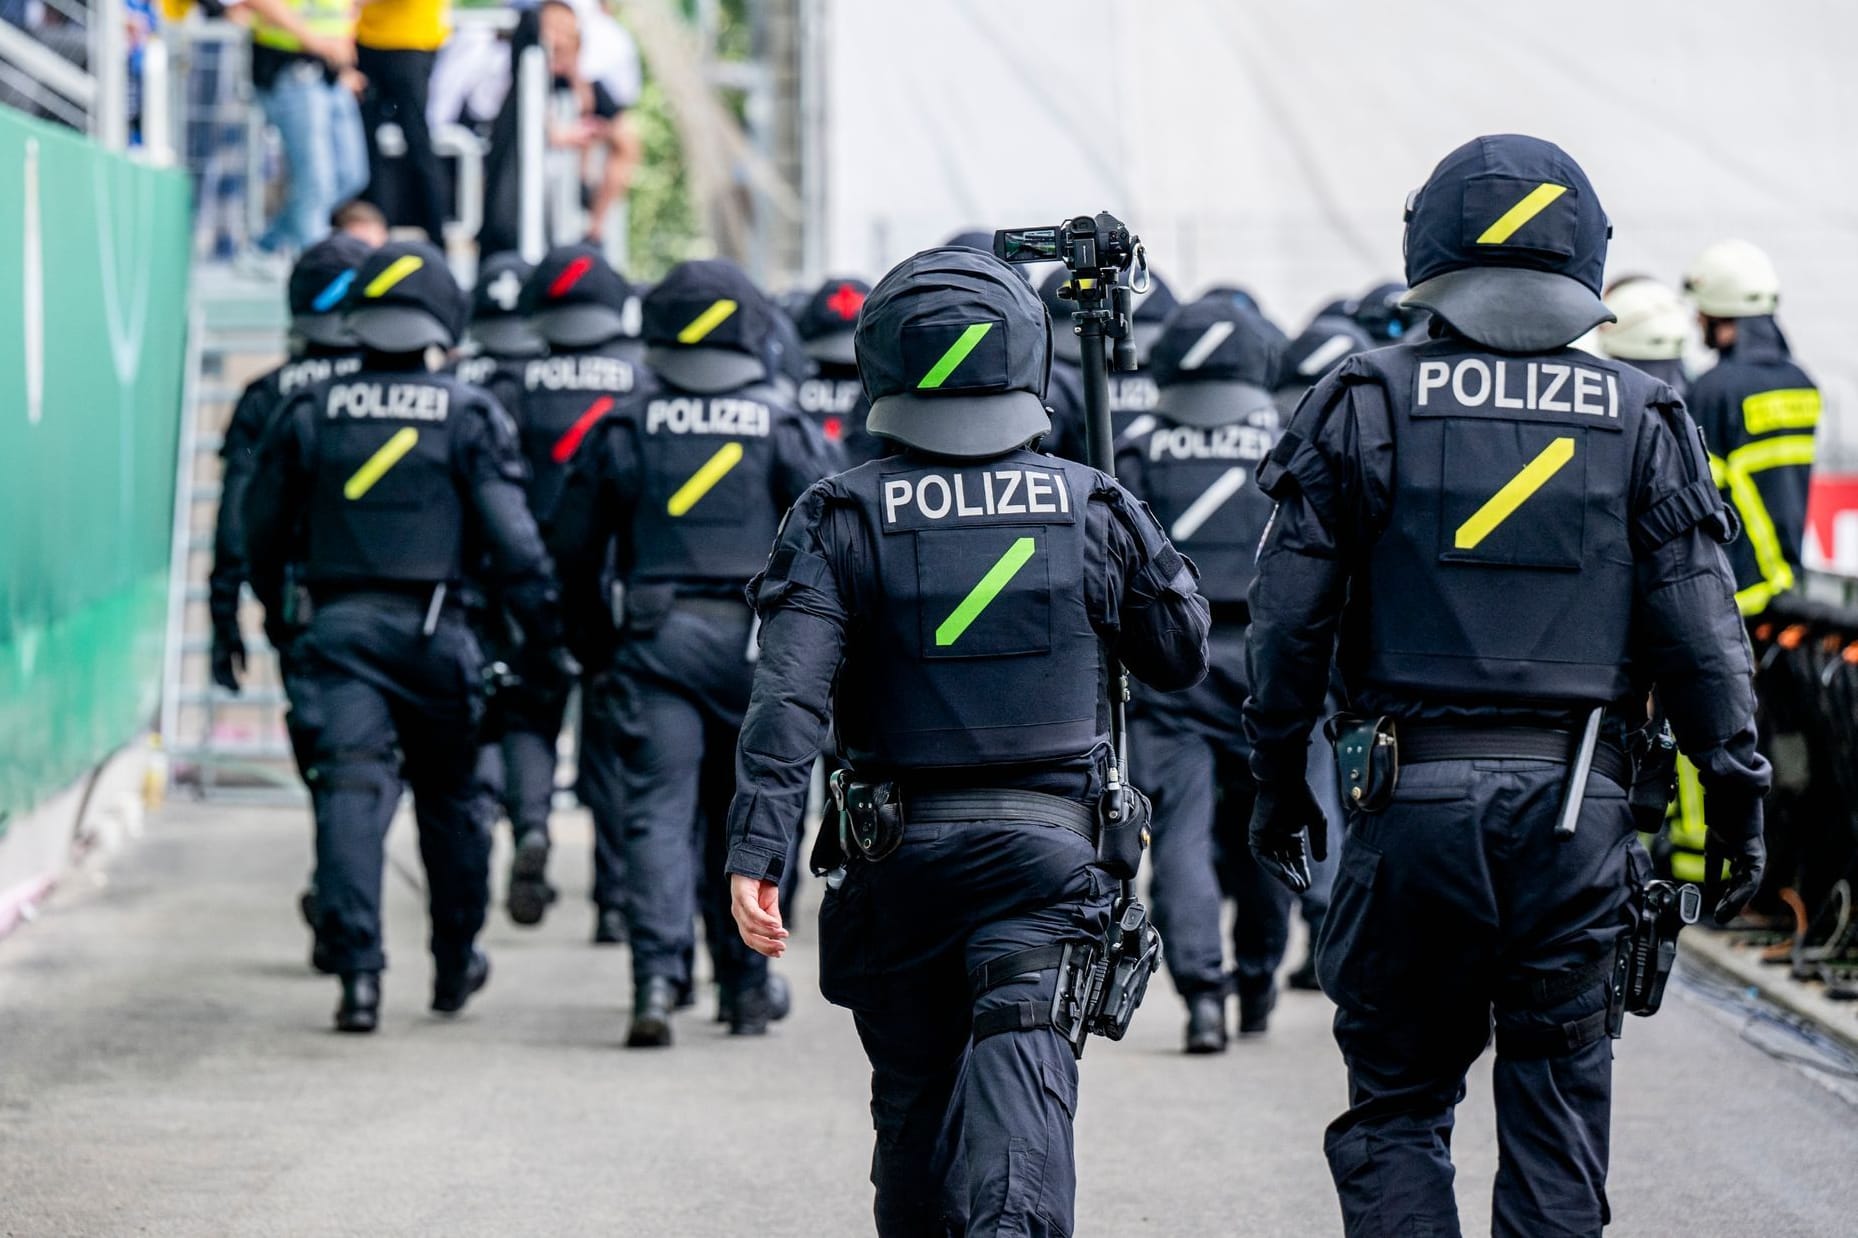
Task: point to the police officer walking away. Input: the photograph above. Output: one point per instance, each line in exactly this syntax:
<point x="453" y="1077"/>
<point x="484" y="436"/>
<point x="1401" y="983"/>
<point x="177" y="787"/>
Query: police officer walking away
<point x="1196" y="467"/>
<point x="685" y="486"/>
<point x="384" y="487"/>
<point x="1509" y="535"/>
<point x="499" y="337"/>
<point x="833" y="397"/>
<point x="575" y="303"/>
<point x="954" y="610"/>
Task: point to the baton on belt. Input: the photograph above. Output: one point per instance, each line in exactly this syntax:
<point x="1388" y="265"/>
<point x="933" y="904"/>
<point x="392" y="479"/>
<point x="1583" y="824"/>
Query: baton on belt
<point x="1575" y="791"/>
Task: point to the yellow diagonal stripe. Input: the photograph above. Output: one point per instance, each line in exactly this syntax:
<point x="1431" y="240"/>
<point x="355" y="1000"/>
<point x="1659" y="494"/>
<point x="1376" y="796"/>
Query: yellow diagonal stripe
<point x="1532" y="205"/>
<point x="704" y="479"/>
<point x="706" y="322"/>
<point x="1515" y="493"/>
<point x="390" y="454"/>
<point x="396" y="271"/>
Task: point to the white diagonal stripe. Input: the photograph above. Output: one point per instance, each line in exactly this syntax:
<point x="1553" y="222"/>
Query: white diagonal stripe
<point x="1206" y="345"/>
<point x="1202" y="508"/>
<point x="1332" y="350"/>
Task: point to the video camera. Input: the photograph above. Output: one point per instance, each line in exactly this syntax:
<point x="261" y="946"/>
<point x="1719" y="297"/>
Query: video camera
<point x="1096" y="250"/>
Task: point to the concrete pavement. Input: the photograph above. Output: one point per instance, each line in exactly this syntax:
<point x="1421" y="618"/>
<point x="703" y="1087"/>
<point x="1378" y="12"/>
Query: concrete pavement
<point x="166" y="1068"/>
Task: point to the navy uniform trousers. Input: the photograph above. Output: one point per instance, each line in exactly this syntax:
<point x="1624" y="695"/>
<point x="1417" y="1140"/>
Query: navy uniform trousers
<point x="376" y="700"/>
<point x="671" y="711"/>
<point x="1448" y="906"/>
<point x="1188" y="753"/>
<point x="972" y="1136"/>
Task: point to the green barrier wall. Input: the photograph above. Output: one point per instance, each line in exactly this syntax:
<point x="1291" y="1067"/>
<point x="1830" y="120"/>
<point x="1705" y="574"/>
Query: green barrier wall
<point x="93" y="321"/>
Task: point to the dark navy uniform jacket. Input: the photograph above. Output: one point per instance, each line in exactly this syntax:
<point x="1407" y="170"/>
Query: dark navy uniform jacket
<point x="825" y="610"/>
<point x="258" y="405"/>
<point x="1498" y="540"/>
<point x="1758" y="411"/>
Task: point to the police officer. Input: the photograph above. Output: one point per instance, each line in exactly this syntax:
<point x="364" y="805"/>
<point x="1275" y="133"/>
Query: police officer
<point x="833" y="397"/>
<point x="1650" y="329"/>
<point x="1386" y="314"/>
<point x="499" y="337"/>
<point x="321" y="346"/>
<point x="686" y="486"/>
<point x="575" y="304"/>
<point x="381" y="485"/>
<point x="1507" y="534"/>
<point x="1330" y="339"/>
<point x="1132" y="394"/>
<point x="1758" y="411"/>
<point x="1215" y="422"/>
<point x="954" y="608"/>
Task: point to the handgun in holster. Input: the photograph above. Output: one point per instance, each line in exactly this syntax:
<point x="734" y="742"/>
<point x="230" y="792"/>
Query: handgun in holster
<point x="1648" y="950"/>
<point x="1101" y="983"/>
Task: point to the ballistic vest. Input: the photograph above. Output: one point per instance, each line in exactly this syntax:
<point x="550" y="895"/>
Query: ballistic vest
<point x="707" y="512"/>
<point x="324" y="17"/>
<point x="1505" y="572"/>
<point x="560" y="400"/>
<point x="1202" y="485"/>
<point x="980" y="650"/>
<point x="384" y="498"/>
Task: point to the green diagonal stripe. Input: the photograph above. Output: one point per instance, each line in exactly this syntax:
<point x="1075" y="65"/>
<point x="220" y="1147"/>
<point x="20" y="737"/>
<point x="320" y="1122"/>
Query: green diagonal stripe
<point x="983" y="594"/>
<point x="956" y="354"/>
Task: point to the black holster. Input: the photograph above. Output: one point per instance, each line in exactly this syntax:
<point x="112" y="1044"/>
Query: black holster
<point x="1124" y="816"/>
<point x="1652" y="750"/>
<point x="1367" y="760"/>
<point x="870" y="818"/>
<point x="1648" y="949"/>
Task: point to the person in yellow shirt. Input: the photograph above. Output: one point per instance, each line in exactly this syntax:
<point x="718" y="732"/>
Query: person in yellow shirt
<point x="396" y="42"/>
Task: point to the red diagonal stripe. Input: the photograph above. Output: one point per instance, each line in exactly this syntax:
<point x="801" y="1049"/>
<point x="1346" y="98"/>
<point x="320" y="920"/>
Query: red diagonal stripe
<point x="569" y="443"/>
<point x="570" y="276"/>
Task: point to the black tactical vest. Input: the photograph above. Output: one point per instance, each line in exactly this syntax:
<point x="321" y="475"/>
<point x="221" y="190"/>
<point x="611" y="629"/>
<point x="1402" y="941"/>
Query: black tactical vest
<point x="707" y="512"/>
<point x="384" y="501"/>
<point x="835" y="404"/>
<point x="1202" y="486"/>
<point x="562" y="398"/>
<point x="980" y="650"/>
<point x="1505" y="573"/>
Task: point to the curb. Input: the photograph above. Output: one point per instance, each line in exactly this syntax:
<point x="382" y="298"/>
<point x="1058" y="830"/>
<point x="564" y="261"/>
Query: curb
<point x="1724" y="953"/>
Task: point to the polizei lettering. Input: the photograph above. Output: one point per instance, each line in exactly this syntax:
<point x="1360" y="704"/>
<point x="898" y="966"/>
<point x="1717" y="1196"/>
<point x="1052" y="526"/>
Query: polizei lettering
<point x="314" y="370"/>
<point x="687" y="415"/>
<point x="389" y="401"/>
<point x="986" y="494"/>
<point x="823" y="396"/>
<point x="1233" y="442"/>
<point x="1529" y="386"/>
<point x="587" y="373"/>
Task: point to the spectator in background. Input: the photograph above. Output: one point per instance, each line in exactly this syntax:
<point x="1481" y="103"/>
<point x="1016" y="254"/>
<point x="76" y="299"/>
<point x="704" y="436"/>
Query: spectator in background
<point x="362" y="220"/>
<point x="306" y="83"/>
<point x="397" y="41"/>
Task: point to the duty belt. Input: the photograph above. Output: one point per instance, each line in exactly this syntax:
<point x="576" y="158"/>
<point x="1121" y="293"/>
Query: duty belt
<point x="1001" y="804"/>
<point x="1442" y="742"/>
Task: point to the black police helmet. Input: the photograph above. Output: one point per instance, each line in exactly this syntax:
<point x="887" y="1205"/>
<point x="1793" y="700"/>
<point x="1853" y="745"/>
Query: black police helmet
<point x="708" y="328"/>
<point x="1215" y="363"/>
<point x="1382" y="311"/>
<point x="1506" y="241"/>
<point x="955" y="351"/>
<point x="497" y="324"/>
<point x="575" y="299"/>
<point x="319" y="285"/>
<point x="1324" y="344"/>
<point x="829" y="317"/>
<point x="404" y="299"/>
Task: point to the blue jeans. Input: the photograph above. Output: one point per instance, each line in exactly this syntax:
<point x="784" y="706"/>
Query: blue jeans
<point x="320" y="125"/>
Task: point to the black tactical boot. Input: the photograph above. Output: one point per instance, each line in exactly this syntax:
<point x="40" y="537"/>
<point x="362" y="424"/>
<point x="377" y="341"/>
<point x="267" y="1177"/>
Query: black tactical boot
<point x="652" y="1001"/>
<point x="610" y="927"/>
<point x="1304" y="978"/>
<point x="530" y="893"/>
<point x="750" y="1012"/>
<point x="1255" y="1004"/>
<point x="1206" y="1023"/>
<point x="453" y="984"/>
<point x="360" y="1010"/>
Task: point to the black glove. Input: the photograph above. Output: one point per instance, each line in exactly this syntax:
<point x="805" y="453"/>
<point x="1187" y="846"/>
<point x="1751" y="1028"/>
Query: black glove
<point x="1734" y="837"/>
<point x="228" y="657"/>
<point x="1281" y="817"/>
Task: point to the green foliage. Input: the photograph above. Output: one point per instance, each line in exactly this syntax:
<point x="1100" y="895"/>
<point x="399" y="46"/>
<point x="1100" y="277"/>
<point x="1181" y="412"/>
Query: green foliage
<point x="662" y="227"/>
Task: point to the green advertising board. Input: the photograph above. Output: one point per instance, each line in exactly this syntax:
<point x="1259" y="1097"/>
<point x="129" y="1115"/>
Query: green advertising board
<point x="93" y="327"/>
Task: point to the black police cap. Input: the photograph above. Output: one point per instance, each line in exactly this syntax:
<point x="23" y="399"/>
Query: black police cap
<point x="319" y="285"/>
<point x="575" y="299"/>
<point x="1215" y="363"/>
<point x="404" y="299"/>
<point x="708" y="328"/>
<point x="1506" y="242"/>
<point x="829" y="317"/>
<point x="955" y="351"/>
<point x="497" y="324"/>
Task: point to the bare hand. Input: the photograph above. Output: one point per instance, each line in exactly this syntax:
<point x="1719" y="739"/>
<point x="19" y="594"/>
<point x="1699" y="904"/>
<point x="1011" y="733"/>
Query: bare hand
<point x="337" y="52"/>
<point x="756" y="905"/>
